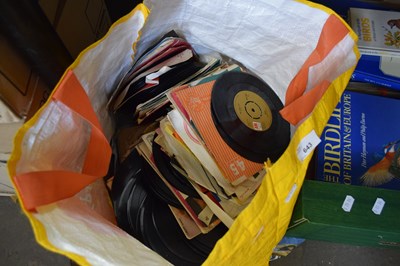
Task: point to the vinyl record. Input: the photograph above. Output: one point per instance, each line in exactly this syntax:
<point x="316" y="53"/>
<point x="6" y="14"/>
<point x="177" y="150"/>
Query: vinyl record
<point x="158" y="187"/>
<point x="172" y="236"/>
<point x="120" y="206"/>
<point x="139" y="93"/>
<point x="126" y="170"/>
<point x="205" y="242"/>
<point x="245" y="111"/>
<point x="135" y="203"/>
<point x="124" y="180"/>
<point x="176" y="179"/>
<point x="153" y="240"/>
<point x="143" y="222"/>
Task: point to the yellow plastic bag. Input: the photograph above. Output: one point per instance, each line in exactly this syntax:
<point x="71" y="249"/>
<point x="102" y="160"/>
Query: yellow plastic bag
<point x="304" y="51"/>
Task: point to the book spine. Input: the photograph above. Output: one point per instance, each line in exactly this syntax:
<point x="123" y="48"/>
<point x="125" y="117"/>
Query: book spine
<point x="373" y="79"/>
<point x="378" y="52"/>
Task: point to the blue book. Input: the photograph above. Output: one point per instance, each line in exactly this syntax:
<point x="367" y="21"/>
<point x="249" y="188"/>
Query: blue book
<point x="384" y="71"/>
<point x="380" y="60"/>
<point x="341" y="7"/>
<point x="360" y="145"/>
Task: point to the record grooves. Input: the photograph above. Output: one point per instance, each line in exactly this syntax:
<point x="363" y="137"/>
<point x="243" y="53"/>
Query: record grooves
<point x="158" y="187"/>
<point x="147" y="216"/>
<point x="245" y="111"/>
<point x="172" y="236"/>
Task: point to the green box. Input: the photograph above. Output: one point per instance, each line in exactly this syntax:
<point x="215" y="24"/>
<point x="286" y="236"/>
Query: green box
<point x="318" y="215"/>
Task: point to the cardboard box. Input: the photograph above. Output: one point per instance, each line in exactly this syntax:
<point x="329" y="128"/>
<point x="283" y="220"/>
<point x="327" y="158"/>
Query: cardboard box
<point x="319" y="215"/>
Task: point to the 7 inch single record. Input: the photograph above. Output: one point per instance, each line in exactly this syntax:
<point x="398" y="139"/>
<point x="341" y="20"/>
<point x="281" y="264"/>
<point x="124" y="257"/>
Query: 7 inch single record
<point x="245" y="111"/>
<point x="153" y="239"/>
<point x="172" y="236"/>
<point x="135" y="204"/>
<point x="124" y="181"/>
<point x="125" y="171"/>
<point x="204" y="243"/>
<point x="120" y="207"/>
<point x="158" y="187"/>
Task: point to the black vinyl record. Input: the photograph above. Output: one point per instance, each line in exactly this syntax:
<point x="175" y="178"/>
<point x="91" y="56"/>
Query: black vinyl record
<point x="137" y="95"/>
<point x="205" y="243"/>
<point x="172" y="236"/>
<point x="153" y="240"/>
<point x="135" y="203"/>
<point x="124" y="180"/>
<point x="143" y="219"/>
<point x="158" y="187"/>
<point x="125" y="171"/>
<point x="245" y="111"/>
<point x="120" y="206"/>
<point x="140" y="201"/>
<point x="146" y="216"/>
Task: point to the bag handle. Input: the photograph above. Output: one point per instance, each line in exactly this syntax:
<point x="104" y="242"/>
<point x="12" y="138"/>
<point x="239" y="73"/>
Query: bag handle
<point x="45" y="187"/>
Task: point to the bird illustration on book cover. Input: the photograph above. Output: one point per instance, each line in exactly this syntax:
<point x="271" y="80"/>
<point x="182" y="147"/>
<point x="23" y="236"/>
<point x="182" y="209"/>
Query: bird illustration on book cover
<point x="386" y="168"/>
<point x="394" y="23"/>
<point x="392" y="38"/>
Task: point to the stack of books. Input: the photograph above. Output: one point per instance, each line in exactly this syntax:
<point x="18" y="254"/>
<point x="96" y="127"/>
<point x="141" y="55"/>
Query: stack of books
<point x="360" y="145"/>
<point x="379" y="44"/>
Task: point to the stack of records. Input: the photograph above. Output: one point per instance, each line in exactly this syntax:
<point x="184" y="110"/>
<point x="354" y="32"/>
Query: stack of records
<point x="192" y="137"/>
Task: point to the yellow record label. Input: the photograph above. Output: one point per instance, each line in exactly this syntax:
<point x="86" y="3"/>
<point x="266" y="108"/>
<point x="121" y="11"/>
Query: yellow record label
<point x="252" y="110"/>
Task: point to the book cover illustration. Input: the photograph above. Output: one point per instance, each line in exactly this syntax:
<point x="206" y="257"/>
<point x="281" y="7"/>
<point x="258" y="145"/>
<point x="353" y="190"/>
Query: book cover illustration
<point x="360" y="145"/>
<point x="376" y="29"/>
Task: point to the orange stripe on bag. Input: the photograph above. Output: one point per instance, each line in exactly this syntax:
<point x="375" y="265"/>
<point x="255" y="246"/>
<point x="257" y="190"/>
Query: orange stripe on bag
<point x="304" y="105"/>
<point x="297" y="87"/>
<point x="45" y="187"/>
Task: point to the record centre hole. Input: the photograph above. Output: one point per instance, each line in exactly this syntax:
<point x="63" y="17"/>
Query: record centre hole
<point x="253" y="110"/>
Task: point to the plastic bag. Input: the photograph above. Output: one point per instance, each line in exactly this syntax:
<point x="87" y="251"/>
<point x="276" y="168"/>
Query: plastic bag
<point x="304" y="51"/>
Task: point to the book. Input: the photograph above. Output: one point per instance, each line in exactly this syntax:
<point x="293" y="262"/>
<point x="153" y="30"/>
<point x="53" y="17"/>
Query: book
<point x="378" y="31"/>
<point x="342" y="7"/>
<point x="360" y="142"/>
<point x="379" y="70"/>
<point x="373" y="89"/>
